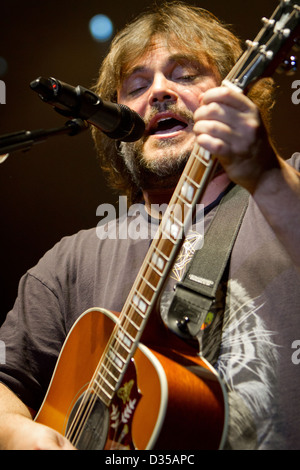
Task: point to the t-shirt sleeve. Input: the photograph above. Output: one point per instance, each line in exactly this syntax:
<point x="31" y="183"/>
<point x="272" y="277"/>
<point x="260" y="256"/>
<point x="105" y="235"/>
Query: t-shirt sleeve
<point x="70" y="278"/>
<point x="36" y="326"/>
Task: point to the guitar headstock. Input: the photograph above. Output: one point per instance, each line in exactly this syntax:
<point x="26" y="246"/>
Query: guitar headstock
<point x="279" y="35"/>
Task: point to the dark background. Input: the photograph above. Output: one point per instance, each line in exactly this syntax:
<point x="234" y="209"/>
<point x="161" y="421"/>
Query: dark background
<point x="54" y="189"/>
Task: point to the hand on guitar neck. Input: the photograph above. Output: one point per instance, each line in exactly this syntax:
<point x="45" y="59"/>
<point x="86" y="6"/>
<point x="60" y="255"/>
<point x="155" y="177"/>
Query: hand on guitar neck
<point x="247" y="155"/>
<point x="229" y="125"/>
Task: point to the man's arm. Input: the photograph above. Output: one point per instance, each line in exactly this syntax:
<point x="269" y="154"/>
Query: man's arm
<point x="229" y="125"/>
<point x="19" y="432"/>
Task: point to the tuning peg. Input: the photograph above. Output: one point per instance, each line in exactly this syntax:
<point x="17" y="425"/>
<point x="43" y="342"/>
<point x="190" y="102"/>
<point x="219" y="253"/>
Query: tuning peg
<point x="252" y="44"/>
<point x="288" y="66"/>
<point x="269" y="23"/>
<point x="297" y="9"/>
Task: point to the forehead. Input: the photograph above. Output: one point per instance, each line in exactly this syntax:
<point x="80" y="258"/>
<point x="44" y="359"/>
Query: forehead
<point x="159" y="54"/>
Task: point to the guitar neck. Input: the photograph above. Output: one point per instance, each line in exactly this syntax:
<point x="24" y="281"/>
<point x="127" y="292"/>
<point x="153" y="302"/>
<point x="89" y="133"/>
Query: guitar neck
<point x="260" y="59"/>
<point x="153" y="272"/>
<point x="167" y="241"/>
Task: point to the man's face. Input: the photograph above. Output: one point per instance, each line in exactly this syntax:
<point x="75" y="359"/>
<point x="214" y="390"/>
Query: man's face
<point x="165" y="87"/>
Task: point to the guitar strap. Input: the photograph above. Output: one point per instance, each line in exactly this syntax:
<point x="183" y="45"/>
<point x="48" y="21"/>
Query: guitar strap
<point x="196" y="293"/>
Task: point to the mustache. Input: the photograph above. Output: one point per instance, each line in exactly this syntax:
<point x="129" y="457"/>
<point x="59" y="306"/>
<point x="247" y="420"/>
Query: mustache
<point x="157" y="108"/>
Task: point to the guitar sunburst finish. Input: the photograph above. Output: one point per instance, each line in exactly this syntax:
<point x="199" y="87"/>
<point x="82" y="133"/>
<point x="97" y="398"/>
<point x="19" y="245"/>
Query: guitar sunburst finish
<point x="175" y="408"/>
<point x="110" y="391"/>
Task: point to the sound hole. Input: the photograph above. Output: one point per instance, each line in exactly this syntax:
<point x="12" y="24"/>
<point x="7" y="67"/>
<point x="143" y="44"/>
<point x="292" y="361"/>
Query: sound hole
<point x="88" y="423"/>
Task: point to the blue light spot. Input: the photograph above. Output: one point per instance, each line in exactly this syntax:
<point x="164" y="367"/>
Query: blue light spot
<point x="101" y="28"/>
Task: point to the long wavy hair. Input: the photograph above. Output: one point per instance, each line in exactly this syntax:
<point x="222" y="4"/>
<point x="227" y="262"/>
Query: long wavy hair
<point x="187" y="28"/>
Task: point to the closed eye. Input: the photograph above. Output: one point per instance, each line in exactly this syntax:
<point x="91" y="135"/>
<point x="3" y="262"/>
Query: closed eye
<point x="188" y="78"/>
<point x="136" y="91"/>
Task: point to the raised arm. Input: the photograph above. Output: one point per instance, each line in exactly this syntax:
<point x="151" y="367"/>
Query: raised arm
<point x="229" y="125"/>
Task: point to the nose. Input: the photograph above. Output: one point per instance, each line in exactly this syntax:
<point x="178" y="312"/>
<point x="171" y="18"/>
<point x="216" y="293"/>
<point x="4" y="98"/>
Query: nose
<point x="161" y="90"/>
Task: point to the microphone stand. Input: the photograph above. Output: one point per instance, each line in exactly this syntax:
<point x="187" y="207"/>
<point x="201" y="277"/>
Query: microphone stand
<point x="24" y="140"/>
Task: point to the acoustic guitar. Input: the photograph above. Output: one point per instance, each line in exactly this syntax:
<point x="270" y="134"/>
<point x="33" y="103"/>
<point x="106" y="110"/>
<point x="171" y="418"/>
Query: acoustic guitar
<point x="111" y="391"/>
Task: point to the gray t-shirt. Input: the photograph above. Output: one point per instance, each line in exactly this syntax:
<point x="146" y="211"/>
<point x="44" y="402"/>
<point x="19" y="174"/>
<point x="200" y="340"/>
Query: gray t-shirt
<point x="256" y="356"/>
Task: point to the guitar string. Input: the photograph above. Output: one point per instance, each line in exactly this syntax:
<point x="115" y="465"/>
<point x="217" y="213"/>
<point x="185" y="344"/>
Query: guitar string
<point x="85" y="407"/>
<point x="89" y="399"/>
<point x="267" y="44"/>
<point x="246" y="56"/>
<point x="88" y="402"/>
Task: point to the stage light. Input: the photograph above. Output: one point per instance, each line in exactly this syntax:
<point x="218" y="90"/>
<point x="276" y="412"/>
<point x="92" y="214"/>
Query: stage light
<point x="101" y="28"/>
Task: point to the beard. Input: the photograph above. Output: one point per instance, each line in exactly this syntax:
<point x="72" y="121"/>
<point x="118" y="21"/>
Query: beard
<point x="163" y="171"/>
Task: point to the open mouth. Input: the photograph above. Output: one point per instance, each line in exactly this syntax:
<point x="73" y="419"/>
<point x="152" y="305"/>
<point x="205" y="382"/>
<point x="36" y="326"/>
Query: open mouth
<point x="167" y="125"/>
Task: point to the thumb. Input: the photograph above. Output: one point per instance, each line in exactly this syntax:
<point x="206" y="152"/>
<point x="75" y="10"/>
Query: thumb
<point x="63" y="443"/>
<point x="54" y="441"/>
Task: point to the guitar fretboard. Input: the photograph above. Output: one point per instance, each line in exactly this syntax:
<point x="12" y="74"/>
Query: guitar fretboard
<point x="153" y="273"/>
<point x="261" y="57"/>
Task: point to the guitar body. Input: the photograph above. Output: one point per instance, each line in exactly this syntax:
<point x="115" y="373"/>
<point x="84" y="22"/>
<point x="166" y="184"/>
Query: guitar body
<point x="101" y="395"/>
<point x="172" y="401"/>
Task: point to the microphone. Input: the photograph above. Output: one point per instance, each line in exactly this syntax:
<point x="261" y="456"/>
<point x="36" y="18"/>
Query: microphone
<point x="117" y="121"/>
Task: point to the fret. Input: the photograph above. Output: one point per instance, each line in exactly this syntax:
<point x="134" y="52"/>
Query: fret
<point x="173" y="223"/>
<point x="167" y="237"/>
<point x="203" y="156"/>
<point x="116" y="359"/>
<point x="121" y="344"/>
<point x="188" y="204"/>
<point x="108" y="371"/>
<point x="136" y="310"/>
<point x="166" y="245"/>
<point x="190" y="188"/>
<point x="100" y="395"/>
<point x="188" y="177"/>
<point x="126" y="341"/>
<point x="200" y="171"/>
<point x="143" y="291"/>
<point x="174" y="229"/>
<point x="141" y="302"/>
<point x="188" y="191"/>
<point x="105" y="400"/>
<point x="106" y="382"/>
<point x="148" y="283"/>
<point x="161" y="253"/>
<point x="111" y="360"/>
<point x="142" y="297"/>
<point x="158" y="261"/>
<point x="136" y="317"/>
<point x="176" y="220"/>
<point x="118" y="352"/>
<point x="127" y="318"/>
<point x="154" y="268"/>
<point x="125" y="333"/>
